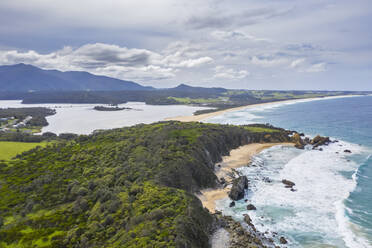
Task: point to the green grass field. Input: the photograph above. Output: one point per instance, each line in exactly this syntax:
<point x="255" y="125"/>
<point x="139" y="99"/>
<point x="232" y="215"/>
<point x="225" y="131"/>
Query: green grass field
<point x="188" y="100"/>
<point x="260" y="130"/>
<point x="10" y="149"/>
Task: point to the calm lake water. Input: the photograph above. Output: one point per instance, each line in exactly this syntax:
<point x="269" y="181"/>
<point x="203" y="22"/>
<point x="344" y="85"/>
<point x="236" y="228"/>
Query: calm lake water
<point x="83" y="119"/>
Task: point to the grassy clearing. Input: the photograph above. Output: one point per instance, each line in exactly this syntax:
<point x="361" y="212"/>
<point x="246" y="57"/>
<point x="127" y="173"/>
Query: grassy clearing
<point x="261" y="130"/>
<point x="8" y="150"/>
<point x="187" y="100"/>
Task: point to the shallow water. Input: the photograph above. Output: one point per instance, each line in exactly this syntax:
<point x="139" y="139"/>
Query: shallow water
<point x="332" y="204"/>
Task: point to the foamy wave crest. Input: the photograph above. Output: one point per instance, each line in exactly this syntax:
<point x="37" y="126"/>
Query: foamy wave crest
<point x="314" y="214"/>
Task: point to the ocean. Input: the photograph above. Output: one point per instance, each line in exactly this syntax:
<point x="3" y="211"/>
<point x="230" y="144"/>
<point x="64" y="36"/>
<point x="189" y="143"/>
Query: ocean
<point x="332" y="204"/>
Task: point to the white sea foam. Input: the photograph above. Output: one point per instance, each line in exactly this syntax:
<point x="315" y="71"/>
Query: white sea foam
<point x="314" y="215"/>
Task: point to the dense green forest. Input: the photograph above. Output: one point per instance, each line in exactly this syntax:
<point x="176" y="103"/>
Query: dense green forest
<point x="128" y="187"/>
<point x="111" y="108"/>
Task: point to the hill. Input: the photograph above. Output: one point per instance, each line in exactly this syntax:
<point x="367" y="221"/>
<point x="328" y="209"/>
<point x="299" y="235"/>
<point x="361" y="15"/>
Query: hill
<point x="129" y="187"/>
<point x="24" y="78"/>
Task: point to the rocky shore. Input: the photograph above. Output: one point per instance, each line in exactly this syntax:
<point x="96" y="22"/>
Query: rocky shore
<point x="242" y="234"/>
<point x="234" y="186"/>
<point x="225" y="172"/>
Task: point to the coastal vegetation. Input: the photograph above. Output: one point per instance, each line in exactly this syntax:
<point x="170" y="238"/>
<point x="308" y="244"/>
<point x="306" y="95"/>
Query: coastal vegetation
<point x="111" y="108"/>
<point x="128" y="187"/>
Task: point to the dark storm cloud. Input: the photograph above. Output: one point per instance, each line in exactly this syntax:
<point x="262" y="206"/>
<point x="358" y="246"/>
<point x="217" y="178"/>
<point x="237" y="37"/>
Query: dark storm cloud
<point x="114" y="54"/>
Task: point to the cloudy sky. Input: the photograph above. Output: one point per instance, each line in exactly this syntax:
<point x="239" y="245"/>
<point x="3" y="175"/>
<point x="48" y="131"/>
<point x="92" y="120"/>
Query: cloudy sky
<point x="250" y="44"/>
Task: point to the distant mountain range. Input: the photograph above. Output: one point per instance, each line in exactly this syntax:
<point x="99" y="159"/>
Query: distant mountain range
<point x="24" y="78"/>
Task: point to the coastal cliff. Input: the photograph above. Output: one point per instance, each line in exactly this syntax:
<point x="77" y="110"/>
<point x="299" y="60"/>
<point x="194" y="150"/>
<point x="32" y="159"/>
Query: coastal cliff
<point x="129" y="187"/>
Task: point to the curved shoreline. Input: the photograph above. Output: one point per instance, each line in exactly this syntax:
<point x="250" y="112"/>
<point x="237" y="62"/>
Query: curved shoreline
<point x="203" y="117"/>
<point x="238" y="158"/>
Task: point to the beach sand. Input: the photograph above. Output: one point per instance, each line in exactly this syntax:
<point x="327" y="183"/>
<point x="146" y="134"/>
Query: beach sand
<point x="238" y="158"/>
<point x="203" y="117"/>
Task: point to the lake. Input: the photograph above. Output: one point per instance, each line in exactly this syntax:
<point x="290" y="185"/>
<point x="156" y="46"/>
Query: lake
<point x="83" y="119"/>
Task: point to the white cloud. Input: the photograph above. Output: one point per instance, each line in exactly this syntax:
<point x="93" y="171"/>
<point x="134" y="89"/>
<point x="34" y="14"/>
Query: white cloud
<point x="320" y="67"/>
<point x="296" y="63"/>
<point x="229" y="73"/>
<point x="193" y="62"/>
<point x="112" y="60"/>
<point x="302" y="65"/>
<point x="234" y="35"/>
<point x="268" y="61"/>
<point x="183" y="55"/>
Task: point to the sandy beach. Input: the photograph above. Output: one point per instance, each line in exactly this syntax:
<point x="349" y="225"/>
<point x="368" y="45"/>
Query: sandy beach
<point x="203" y="117"/>
<point x="238" y="158"/>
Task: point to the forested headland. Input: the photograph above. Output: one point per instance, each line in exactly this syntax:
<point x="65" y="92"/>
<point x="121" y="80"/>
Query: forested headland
<point x="128" y="187"/>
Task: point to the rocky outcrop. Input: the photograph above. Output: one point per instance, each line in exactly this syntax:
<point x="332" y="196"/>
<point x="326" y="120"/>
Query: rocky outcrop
<point x="288" y="184"/>
<point x="283" y="240"/>
<point x="347" y="151"/>
<point x="239" y="236"/>
<point x="319" y="141"/>
<point x="299" y="143"/>
<point x="251" y="207"/>
<point x="238" y="186"/>
<point x="247" y="219"/>
<point x="223" y="181"/>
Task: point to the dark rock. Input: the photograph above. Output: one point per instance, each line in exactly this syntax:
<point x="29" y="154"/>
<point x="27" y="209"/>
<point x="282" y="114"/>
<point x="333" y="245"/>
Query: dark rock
<point x="267" y="180"/>
<point x="247" y="219"/>
<point x="232" y="204"/>
<point x="319" y="141"/>
<point x="320" y="149"/>
<point x="293" y="190"/>
<point x="238" y="187"/>
<point x="239" y="236"/>
<point x="283" y="240"/>
<point x="347" y="151"/>
<point x="240" y="231"/>
<point x="288" y="184"/>
<point x="222" y="180"/>
<point x="299" y="143"/>
<point x="251" y="207"/>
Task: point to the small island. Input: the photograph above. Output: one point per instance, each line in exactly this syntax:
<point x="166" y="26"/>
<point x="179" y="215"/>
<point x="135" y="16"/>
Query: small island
<point x="111" y="108"/>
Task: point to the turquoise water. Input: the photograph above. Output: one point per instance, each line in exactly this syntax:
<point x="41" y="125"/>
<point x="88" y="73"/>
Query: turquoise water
<point x="333" y="203"/>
